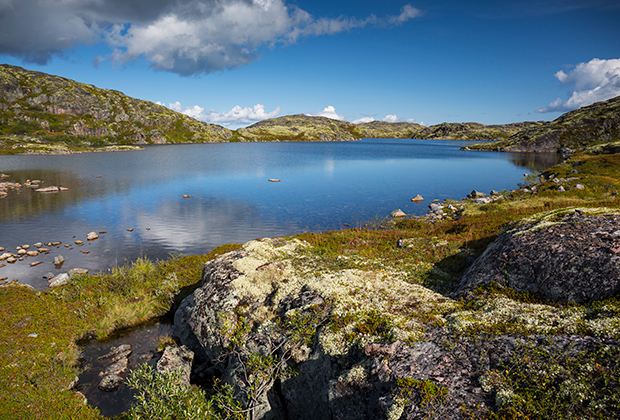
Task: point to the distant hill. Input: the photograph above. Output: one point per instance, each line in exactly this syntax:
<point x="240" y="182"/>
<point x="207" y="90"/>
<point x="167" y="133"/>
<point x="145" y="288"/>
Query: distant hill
<point x="53" y="109"/>
<point x="298" y="128"/>
<point x="584" y="127"/>
<point x="41" y="113"/>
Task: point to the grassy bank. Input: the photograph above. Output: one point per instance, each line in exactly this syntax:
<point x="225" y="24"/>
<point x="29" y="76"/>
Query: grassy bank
<point x="38" y="330"/>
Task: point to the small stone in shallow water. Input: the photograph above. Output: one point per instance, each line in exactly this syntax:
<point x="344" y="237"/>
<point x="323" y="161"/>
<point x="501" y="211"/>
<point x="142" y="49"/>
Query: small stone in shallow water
<point x="92" y="236"/>
<point x="79" y="242"/>
<point x="77" y="271"/>
<point x="36" y="263"/>
<point x="110" y="383"/>
<point x="25" y="246"/>
<point x="59" y="259"/>
<point x="417" y="199"/>
<point x="59" y="280"/>
<point x="273" y="180"/>
<point x="32" y="253"/>
<point x="186" y="196"/>
<point x="130" y="230"/>
<point x="398" y="213"/>
<point x="38" y="245"/>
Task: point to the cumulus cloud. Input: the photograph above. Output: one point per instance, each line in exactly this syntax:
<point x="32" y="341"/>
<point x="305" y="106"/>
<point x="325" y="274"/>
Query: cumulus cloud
<point x="329" y="112"/>
<point x="188" y="38"/>
<point x="236" y="116"/>
<point x="390" y="118"/>
<point x="594" y="81"/>
<point x="363" y="120"/>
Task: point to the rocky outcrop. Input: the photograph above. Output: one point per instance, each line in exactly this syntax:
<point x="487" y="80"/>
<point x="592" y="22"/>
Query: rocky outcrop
<point x="367" y="344"/>
<point x="50" y="107"/>
<point x="565" y="255"/>
<point x="590" y="125"/>
<point x="259" y="314"/>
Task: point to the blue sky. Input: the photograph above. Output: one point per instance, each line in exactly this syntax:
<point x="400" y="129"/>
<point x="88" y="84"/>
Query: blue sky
<point x="235" y="62"/>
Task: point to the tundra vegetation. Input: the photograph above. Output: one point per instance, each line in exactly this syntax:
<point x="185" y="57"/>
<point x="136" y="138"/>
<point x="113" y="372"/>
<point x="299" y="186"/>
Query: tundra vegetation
<point x="39" y="330"/>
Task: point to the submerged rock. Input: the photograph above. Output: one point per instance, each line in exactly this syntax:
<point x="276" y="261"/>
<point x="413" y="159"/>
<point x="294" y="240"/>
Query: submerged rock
<point x="110" y="383"/>
<point x="564" y="255"/>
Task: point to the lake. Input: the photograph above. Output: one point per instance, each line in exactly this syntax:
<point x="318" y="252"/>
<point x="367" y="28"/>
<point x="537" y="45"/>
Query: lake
<point x="137" y="198"/>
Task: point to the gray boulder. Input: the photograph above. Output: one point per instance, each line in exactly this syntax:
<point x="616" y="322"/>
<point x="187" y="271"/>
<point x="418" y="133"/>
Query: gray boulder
<point x="177" y="359"/>
<point x="564" y="255"/>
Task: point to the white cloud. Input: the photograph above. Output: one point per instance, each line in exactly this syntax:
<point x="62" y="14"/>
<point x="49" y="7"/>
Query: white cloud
<point x="363" y="120"/>
<point x="236" y="116"/>
<point x="407" y="12"/>
<point x="390" y="118"/>
<point x="594" y="81"/>
<point x="186" y="37"/>
<point x="410" y="120"/>
<point x="329" y="112"/>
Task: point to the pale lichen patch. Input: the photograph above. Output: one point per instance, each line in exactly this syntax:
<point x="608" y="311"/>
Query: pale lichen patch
<point x="502" y="313"/>
<point x="555" y="217"/>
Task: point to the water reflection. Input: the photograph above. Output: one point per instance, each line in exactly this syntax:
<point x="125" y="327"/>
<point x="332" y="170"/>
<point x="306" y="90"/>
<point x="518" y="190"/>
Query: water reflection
<point x="536" y="162"/>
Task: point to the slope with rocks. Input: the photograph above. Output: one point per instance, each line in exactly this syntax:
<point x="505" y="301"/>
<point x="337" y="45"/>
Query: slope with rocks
<point x="584" y="127"/>
<point x="42" y="109"/>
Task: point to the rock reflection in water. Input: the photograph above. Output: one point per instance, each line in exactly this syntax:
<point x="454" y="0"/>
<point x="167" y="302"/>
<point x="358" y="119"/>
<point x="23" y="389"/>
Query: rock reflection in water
<point x="535" y="161"/>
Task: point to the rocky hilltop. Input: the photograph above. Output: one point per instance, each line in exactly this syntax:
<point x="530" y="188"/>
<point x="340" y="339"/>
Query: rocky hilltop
<point x="588" y="126"/>
<point x="298" y="128"/>
<point x="44" y="110"/>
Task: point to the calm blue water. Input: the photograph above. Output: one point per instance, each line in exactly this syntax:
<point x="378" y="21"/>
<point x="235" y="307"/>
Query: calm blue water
<point x="323" y="186"/>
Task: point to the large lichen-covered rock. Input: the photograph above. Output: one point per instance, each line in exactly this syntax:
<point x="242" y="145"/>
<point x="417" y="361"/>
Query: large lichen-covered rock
<point x="568" y="255"/>
<point x="343" y="343"/>
<point x="348" y="334"/>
